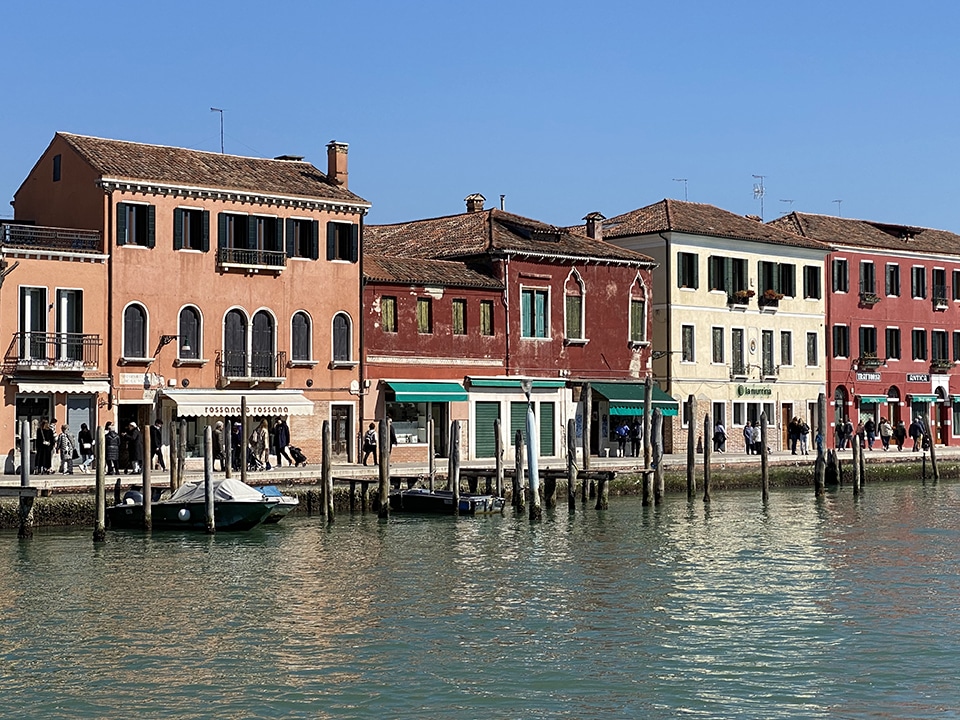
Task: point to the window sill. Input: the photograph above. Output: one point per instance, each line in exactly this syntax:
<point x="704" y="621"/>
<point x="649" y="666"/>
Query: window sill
<point x="343" y="364"/>
<point x="135" y="361"/>
<point x="535" y="339"/>
<point x="575" y="341"/>
<point x="190" y="362"/>
<point x="302" y="363"/>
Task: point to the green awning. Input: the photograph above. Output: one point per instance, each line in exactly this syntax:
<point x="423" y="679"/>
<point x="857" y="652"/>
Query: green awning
<point x="923" y="398"/>
<point x="514" y="383"/>
<point x="427" y="391"/>
<point x="873" y="398"/>
<point x="627" y="398"/>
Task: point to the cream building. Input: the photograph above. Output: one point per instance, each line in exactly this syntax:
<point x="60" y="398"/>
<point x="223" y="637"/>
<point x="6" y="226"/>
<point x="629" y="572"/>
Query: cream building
<point x="738" y="318"/>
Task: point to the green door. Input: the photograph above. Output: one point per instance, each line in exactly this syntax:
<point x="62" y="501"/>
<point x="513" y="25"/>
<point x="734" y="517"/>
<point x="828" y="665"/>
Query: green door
<point x="546" y="429"/>
<point x="486" y="414"/>
<point x="518" y="421"/>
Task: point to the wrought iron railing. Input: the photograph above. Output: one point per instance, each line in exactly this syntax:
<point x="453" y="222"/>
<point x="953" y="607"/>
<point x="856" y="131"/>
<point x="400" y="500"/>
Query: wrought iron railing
<point x="243" y="257"/>
<point x="53" y="351"/>
<point x="940" y="296"/>
<point x="239" y="364"/>
<point x="34" y="237"/>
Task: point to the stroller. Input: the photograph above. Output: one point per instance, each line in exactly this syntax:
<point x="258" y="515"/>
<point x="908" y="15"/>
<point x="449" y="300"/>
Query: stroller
<point x="299" y="459"/>
<point x="253" y="462"/>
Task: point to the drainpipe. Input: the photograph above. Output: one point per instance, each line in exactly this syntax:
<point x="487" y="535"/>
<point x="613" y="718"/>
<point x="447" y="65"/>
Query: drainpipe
<point x="667" y="270"/>
<point x="107" y="247"/>
<point x="505" y="300"/>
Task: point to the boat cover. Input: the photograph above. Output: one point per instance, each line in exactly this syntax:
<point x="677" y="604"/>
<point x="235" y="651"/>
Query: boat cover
<point x="224" y="489"/>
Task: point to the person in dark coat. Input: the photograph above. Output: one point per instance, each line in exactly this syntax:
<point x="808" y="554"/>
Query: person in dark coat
<point x="218" y="446"/>
<point x="236" y="446"/>
<point x="156" y="445"/>
<point x="45" y="440"/>
<point x="85" y="443"/>
<point x="134" y="447"/>
<point x="111" y="446"/>
<point x="281" y="439"/>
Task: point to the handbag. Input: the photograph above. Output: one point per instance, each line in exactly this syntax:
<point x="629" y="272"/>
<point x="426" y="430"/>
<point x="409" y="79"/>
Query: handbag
<point x="76" y="455"/>
<point x="86" y="446"/>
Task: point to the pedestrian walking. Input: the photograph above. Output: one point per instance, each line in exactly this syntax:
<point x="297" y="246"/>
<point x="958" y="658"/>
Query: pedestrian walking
<point x="67" y="449"/>
<point x="870" y="428"/>
<point x="804" y="436"/>
<point x="134" y="443"/>
<point x="623" y="434"/>
<point x="370" y="444"/>
<point x="900" y="435"/>
<point x="111" y="447"/>
<point x="916" y="431"/>
<point x="748" y="437"/>
<point x="156" y="446"/>
<point x="45" y="441"/>
<point x="281" y="440"/>
<point x="218" y="446"/>
<point x="85" y="443"/>
<point x="885" y="430"/>
<point x="719" y="438"/>
<point x="636" y="430"/>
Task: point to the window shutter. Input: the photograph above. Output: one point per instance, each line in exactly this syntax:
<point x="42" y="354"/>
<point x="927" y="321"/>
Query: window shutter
<point x="680" y="270"/>
<point x="177" y="229"/>
<point x="331" y="241"/>
<point x="251" y="233"/>
<point x="775" y="271"/>
<point x="205" y="236"/>
<point x="315" y="239"/>
<point x="291" y="237"/>
<point x="121" y="223"/>
<point x="541" y="314"/>
<point x="354" y="243"/>
<point x="279" y="239"/>
<point x="696" y="271"/>
<point x="728" y="276"/>
<point x="221" y="230"/>
<point x="151" y="226"/>
<point x="711" y="279"/>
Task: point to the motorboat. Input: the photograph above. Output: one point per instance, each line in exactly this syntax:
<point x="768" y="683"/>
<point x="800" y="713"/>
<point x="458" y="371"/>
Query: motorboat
<point x="282" y="506"/>
<point x="440" y="502"/>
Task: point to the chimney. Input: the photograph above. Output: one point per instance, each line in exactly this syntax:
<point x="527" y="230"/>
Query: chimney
<point x="595" y="225"/>
<point x="337" y="162"/>
<point x="475" y="202"/>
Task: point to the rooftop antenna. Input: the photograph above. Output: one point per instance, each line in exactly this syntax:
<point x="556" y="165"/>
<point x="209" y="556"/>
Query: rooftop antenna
<point x="684" y="181"/>
<point x="839" y="214"/>
<point x="758" y="192"/>
<point x="791" y="206"/>
<point x="218" y="110"/>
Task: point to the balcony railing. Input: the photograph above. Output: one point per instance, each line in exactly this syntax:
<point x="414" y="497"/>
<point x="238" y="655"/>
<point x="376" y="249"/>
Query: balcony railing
<point x="34" y="237"/>
<point x="738" y="369"/>
<point x="53" y="351"/>
<point x="244" y="258"/>
<point x="238" y="365"/>
<point x="940" y="297"/>
<point x="769" y="370"/>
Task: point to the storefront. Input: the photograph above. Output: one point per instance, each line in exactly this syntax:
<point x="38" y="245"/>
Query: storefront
<point x="503" y="399"/>
<point x="614" y="402"/>
<point x="411" y="404"/>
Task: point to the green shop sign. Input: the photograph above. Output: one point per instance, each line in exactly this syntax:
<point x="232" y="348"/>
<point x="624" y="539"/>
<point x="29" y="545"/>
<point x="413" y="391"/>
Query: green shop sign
<point x="754" y="391"/>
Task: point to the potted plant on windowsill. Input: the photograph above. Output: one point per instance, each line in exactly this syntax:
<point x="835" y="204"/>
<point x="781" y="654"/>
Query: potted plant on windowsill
<point x="742" y="297"/>
<point x="869" y="298"/>
<point x="770" y="298"/>
<point x="941" y="364"/>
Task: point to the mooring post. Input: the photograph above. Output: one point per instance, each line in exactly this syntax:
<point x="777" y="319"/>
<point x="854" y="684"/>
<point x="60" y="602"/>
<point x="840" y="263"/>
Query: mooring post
<point x="228" y="447"/>
<point x="323" y="478"/>
<point x="26" y="503"/>
<point x="855" y="448"/>
<point x="933" y="452"/>
<point x="431" y="455"/>
<point x="326" y="471"/>
<point x="585" y="395"/>
<point x="533" y="451"/>
<point x="210" y="514"/>
<point x="657" y="431"/>
<point x="174" y="454"/>
<point x="863" y="463"/>
<point x="830" y="471"/>
<point x="99" y="528"/>
<point x="182" y="452"/>
<point x="518" y="471"/>
<point x="603" y="491"/>
<point x="146" y="467"/>
<point x="820" y="443"/>
<point x="764" y="460"/>
<point x="707" y="446"/>
<point x="383" y="493"/>
<point x="572" y="464"/>
<point x="691" y="447"/>
<point x="647" y="405"/>
<point x="244" y="438"/>
<point x="453" y="468"/>
<point x="498" y="455"/>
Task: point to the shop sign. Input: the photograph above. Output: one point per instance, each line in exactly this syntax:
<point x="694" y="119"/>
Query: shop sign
<point x="918" y="377"/>
<point x="865" y="376"/>
<point x="754" y="391"/>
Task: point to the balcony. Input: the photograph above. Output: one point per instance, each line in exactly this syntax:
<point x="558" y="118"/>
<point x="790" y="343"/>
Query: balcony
<point x="254" y="260"/>
<point x="769" y="371"/>
<point x="35" y="238"/>
<point x="237" y="366"/>
<point x="738" y="370"/>
<point x="63" y="352"/>
<point x="940" y="297"/>
<point x="739" y="299"/>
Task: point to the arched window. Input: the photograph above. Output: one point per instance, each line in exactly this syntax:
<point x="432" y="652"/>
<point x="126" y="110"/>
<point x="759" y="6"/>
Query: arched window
<point x="262" y="345"/>
<point x="135" y="331"/>
<point x="341" y="338"/>
<point x="638" y="312"/>
<point x="840" y="403"/>
<point x="300" y="346"/>
<point x="573" y="307"/>
<point x="189" y="329"/>
<point x="235" y="344"/>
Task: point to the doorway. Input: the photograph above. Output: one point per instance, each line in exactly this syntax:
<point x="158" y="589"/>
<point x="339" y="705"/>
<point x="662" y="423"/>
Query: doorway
<point x="341" y="422"/>
<point x="786" y="415"/>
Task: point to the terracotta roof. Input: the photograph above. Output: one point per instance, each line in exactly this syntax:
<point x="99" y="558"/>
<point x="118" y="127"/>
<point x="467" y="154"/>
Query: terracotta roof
<point x="868" y="234"/>
<point x="449" y="273"/>
<point x="700" y="219"/>
<point x="124" y="160"/>
<point x="489" y="231"/>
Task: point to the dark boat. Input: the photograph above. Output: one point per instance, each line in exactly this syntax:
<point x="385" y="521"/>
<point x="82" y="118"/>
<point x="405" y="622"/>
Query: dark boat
<point x="236" y="506"/>
<point x="282" y="504"/>
<point x="440" y="502"/>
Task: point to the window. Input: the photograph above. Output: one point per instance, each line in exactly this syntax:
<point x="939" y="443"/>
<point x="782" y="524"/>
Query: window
<point x="918" y="282"/>
<point x="533" y="313"/>
<point x="56" y="168"/>
<point x="786" y="347"/>
<point x="302" y="238"/>
<point x="69" y="324"/>
<point x="234" y="231"/>
<point x="892" y="343"/>
<point x="300" y="338"/>
<point x="893" y="280"/>
<point x="424" y="316"/>
<point x="918" y="342"/>
<point x="727" y="274"/>
<point x="266" y="233"/>
<point x="788" y="279"/>
<point x="768" y="366"/>
<point x="638" y="320"/>
<point x="342" y="342"/>
<point x="388" y="314"/>
<point x="33" y="323"/>
<point x="459" y="317"/>
<point x="811" y="282"/>
<point x="956" y="284"/>
<point x="813" y="352"/>
<point x="263" y="343"/>
<point x="486" y="317"/>
<point x="235" y="344"/>
<point x="573" y="308"/>
<point x="136" y="224"/>
<point x="840" y="279"/>
<point x="939" y="348"/>
<point x="343" y="241"/>
<point x="717" y="344"/>
<point x="769" y="276"/>
<point x="190" y="336"/>
<point x="737" y="364"/>
<point x="868" y="279"/>
<point x="939" y="286"/>
<point x="687" y="270"/>
<point x="687" y="351"/>
<point x="135" y="331"/>
<point x="841" y="341"/>
<point x="956" y="346"/>
<point x="191" y="229"/>
<point x="868" y="341"/>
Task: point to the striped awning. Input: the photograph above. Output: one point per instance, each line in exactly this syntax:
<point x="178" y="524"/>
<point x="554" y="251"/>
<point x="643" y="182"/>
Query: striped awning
<point x="63" y="386"/>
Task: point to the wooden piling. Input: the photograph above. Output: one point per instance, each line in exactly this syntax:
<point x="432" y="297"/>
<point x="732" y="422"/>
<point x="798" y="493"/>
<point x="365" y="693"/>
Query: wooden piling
<point x="572" y="464"/>
<point x="174" y="455"/>
<point x="244" y="438"/>
<point x="182" y="453"/>
<point x="764" y="460"/>
<point x="146" y="467"/>
<point x="657" y="442"/>
<point x="533" y="471"/>
<point x="820" y="468"/>
<point x="691" y="447"/>
<point x="498" y="455"/>
<point x="587" y="420"/>
<point x="855" y="447"/>
<point x="830" y="474"/>
<point x="863" y="465"/>
<point x="453" y="471"/>
<point x="25" y="530"/>
<point x="210" y="512"/>
<point x="647" y="405"/>
<point x="431" y="456"/>
<point x="707" y="446"/>
<point x="228" y="448"/>
<point x="518" y="471"/>
<point x="326" y="471"/>
<point x="603" y="492"/>
<point x="383" y="492"/>
<point x="934" y="468"/>
<point x="100" y="524"/>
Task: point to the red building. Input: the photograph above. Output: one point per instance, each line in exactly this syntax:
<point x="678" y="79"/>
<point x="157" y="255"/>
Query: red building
<point x="460" y="309"/>
<point x="892" y="332"/>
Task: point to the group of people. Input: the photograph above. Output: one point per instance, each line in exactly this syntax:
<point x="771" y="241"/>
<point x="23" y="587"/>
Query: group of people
<point x="265" y="440"/>
<point x="632" y="432"/>
<point x="77" y="452"/>
<point x="868" y="431"/>
<point x="798" y="432"/>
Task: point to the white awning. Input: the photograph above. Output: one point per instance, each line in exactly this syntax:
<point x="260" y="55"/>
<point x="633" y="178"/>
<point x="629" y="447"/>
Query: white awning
<point x="216" y="403"/>
<point x="63" y="386"/>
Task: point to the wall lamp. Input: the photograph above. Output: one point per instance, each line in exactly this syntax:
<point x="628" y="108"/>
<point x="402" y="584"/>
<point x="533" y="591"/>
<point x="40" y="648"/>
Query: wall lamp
<point x="657" y="354"/>
<point x="167" y="339"/>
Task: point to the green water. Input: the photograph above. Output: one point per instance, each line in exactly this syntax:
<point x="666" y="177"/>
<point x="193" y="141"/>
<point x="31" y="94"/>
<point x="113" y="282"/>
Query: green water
<point x="798" y="610"/>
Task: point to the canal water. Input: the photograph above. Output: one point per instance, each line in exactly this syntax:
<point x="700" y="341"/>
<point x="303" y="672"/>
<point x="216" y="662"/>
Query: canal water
<point x="842" y="609"/>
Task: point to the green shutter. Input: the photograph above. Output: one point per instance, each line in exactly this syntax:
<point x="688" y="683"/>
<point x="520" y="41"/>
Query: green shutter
<point x="728" y="276"/>
<point x="526" y="313"/>
<point x="696" y="271"/>
<point x="486" y="414"/>
<point x="315" y="240"/>
<point x="205" y="237"/>
<point x="121" y="223"/>
<point x="540" y="313"/>
<point x="151" y="226"/>
<point x="221" y="230"/>
<point x="251" y="233"/>
<point x="291" y="237"/>
<point x="278" y="241"/>
<point x="354" y="243"/>
<point x="546" y="429"/>
<point x="518" y="420"/>
<point x="177" y="229"/>
<point x="331" y="241"/>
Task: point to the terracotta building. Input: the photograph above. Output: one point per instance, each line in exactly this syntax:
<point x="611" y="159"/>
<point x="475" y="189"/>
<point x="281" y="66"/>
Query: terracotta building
<point x="208" y="277"/>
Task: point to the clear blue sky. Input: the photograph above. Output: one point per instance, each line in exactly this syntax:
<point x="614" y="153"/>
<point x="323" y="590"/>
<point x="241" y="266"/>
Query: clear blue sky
<point x="564" y="107"/>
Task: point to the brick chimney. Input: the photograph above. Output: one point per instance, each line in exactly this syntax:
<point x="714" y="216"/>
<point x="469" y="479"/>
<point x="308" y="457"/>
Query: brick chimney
<point x="337" y="162"/>
<point x="595" y="225"/>
<point x="475" y="202"/>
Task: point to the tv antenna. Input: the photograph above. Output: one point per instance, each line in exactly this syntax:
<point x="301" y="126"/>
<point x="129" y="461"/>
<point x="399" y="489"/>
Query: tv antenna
<point x="839" y="214"/>
<point x="758" y="192"/>
<point x="218" y="110"/>
<point x="790" y="202"/>
<point x="684" y="181"/>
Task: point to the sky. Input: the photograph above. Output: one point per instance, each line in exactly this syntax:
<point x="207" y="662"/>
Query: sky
<point x="564" y="108"/>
